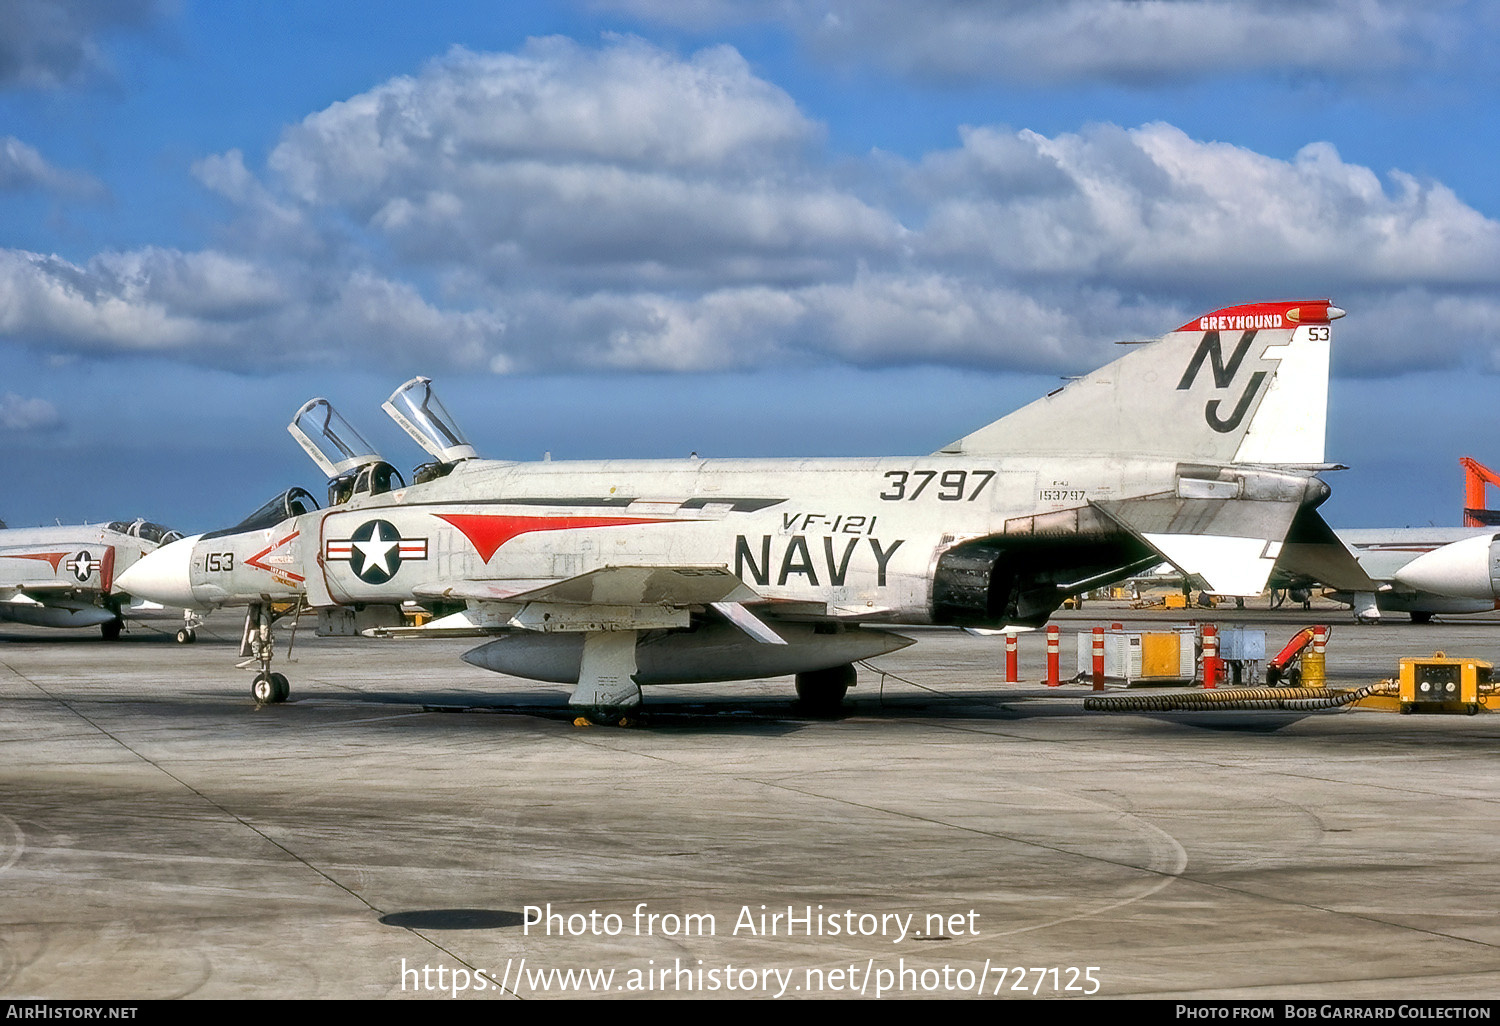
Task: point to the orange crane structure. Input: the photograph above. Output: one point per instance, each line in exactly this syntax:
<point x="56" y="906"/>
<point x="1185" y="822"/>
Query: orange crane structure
<point x="1476" y="477"/>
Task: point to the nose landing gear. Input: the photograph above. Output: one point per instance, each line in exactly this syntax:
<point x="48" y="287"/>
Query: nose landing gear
<point x="258" y="645"/>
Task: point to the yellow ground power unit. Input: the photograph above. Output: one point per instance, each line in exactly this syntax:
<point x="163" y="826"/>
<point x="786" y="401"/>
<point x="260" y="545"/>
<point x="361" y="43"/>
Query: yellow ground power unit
<point x="1438" y="684"/>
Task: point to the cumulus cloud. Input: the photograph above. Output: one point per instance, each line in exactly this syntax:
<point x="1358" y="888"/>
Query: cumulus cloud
<point x="567" y="207"/>
<point x="223" y="310"/>
<point x="19" y="414"/>
<point x="22" y="167"/>
<point x="50" y="43"/>
<point x="1153" y="207"/>
<point x="619" y="164"/>
<point x="1129" y="41"/>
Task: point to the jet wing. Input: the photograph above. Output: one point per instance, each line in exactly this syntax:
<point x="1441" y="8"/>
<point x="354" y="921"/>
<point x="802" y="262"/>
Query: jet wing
<point x="609" y="598"/>
<point x="646" y="585"/>
<point x="611" y="585"/>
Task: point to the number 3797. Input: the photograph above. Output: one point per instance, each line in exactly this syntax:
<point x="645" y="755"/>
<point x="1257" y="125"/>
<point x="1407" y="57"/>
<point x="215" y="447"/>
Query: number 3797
<point x="946" y="485"/>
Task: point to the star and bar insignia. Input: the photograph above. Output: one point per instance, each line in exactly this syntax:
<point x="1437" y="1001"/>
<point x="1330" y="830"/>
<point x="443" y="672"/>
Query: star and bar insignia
<point x="83" y="565"/>
<point x="375" y="551"/>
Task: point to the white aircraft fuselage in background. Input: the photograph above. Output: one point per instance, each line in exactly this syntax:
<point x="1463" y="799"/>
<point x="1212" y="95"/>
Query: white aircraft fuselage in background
<point x="66" y="576"/>
<point x="1428" y="570"/>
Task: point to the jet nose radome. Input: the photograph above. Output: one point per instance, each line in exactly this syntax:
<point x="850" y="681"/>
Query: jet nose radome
<point x="162" y="576"/>
<point x="1464" y="569"/>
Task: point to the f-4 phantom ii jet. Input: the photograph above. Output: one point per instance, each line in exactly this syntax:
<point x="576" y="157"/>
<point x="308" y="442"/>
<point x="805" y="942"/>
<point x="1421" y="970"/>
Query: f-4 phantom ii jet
<point x="1201" y="448"/>
<point x="1421" y="571"/>
<point x="67" y="576"/>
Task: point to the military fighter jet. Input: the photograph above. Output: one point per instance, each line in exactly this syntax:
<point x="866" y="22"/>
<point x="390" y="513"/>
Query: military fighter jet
<point x="1420" y="571"/>
<point x="67" y="576"/>
<point x="1426" y="570"/>
<point x="1201" y="448"/>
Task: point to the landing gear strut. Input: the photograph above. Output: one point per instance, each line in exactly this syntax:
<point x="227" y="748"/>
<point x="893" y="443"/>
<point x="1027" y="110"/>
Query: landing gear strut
<point x="607" y="692"/>
<point x="822" y="692"/>
<point x="258" y="645"/>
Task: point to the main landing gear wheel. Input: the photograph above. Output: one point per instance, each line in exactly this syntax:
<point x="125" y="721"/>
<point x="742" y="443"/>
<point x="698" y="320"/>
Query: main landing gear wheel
<point x="111" y="630"/>
<point x="186" y="636"/>
<point x="821" y="692"/>
<point x="612" y="717"/>
<point x="270" y="688"/>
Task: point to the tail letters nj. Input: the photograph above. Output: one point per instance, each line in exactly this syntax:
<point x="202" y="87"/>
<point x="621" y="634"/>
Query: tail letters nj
<point x="1224" y="375"/>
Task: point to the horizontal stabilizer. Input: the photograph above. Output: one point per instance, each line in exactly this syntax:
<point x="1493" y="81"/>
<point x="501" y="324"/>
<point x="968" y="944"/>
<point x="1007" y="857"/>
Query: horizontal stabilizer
<point x="1231" y="544"/>
<point x="1313" y="552"/>
<point x="1227" y="565"/>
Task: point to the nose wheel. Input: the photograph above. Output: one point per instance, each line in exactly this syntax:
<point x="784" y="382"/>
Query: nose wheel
<point x="270" y="688"/>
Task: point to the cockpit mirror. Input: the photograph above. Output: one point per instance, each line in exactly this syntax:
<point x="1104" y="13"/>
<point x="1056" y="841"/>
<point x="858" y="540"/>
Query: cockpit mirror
<point x="422" y="415"/>
<point x="329" y="439"/>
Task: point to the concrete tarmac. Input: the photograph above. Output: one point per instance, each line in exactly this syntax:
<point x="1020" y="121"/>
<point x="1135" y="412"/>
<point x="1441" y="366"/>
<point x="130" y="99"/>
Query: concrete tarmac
<point x="390" y="831"/>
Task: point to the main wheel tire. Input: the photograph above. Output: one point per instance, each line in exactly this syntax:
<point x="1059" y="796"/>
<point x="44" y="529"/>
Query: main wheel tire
<point x="111" y="630"/>
<point x="611" y="716"/>
<point x="822" y="691"/>
<point x="283" y="687"/>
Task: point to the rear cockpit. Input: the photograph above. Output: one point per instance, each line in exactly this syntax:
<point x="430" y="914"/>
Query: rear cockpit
<point x="144" y="530"/>
<point x="371" y="479"/>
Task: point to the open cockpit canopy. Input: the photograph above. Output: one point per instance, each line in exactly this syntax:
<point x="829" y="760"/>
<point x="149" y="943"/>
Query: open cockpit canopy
<point x="421" y="414"/>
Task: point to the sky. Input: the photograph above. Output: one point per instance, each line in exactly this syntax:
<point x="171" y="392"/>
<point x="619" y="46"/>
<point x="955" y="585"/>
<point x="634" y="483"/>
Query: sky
<point x="641" y="228"/>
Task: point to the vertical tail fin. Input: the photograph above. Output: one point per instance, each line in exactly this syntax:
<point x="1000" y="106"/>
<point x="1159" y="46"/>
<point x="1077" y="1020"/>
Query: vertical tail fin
<point x="1246" y="384"/>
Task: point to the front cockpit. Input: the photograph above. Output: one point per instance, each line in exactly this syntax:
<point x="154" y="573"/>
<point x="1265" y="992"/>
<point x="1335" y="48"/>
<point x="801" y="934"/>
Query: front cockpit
<point x="291" y="503"/>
